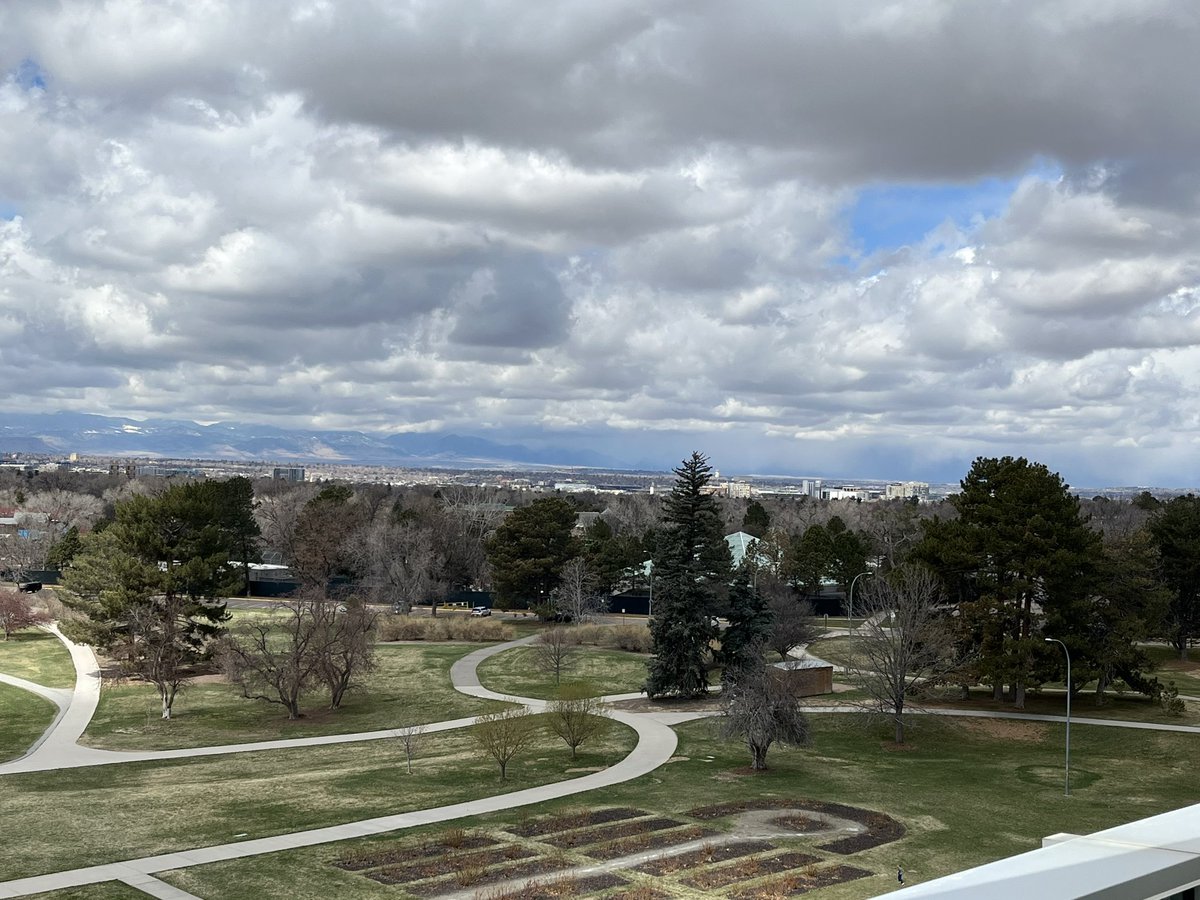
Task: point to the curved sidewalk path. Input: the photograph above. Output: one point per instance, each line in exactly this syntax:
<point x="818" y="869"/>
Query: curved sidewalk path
<point x="656" y="744"/>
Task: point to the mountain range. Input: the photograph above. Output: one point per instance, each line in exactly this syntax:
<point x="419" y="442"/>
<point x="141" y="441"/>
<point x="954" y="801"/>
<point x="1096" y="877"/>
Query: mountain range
<point x="61" y="433"/>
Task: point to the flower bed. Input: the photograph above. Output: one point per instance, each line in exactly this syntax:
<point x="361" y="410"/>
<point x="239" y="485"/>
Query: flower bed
<point x="608" y="832"/>
<point x="749" y="869"/>
<point x="433" y="866"/>
<point x="717" y="853"/>
<point x="374" y="858"/>
<point x="627" y="846"/>
<point x="569" y="821"/>
<point x="800" y="883"/>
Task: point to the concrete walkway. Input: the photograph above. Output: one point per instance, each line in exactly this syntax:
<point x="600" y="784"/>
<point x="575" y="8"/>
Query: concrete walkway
<point x="656" y="744"/>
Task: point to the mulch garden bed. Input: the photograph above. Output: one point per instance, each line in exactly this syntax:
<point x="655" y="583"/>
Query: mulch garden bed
<point x="609" y="832"/>
<point x="718" y="853"/>
<point x="799" y="824"/>
<point x="801" y="883"/>
<point x="637" y="843"/>
<point x="481" y="876"/>
<point x="445" y="864"/>
<point x="386" y="856"/>
<point x="564" y="886"/>
<point x="568" y="821"/>
<point x="640" y="893"/>
<point x="749" y="869"/>
<point x="881" y="828"/>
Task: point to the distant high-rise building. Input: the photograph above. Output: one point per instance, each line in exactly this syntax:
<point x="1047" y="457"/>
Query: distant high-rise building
<point x="288" y="473"/>
<point x="905" y="490"/>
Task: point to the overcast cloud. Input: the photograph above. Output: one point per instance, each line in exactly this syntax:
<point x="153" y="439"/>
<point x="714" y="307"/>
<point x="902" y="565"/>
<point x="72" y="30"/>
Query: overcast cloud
<point x="856" y="238"/>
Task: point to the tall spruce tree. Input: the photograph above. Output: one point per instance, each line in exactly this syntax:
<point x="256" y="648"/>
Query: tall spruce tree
<point x="692" y="573"/>
<point x="750" y="620"/>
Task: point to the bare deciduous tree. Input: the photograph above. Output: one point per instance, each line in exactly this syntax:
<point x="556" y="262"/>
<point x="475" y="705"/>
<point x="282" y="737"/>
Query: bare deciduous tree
<point x="791" y="620"/>
<point x="347" y="649"/>
<point x="905" y="644"/>
<point x="554" y="652"/>
<point x="318" y="640"/>
<point x="502" y="735"/>
<point x="575" y="598"/>
<point x="761" y="708"/>
<point x="410" y="739"/>
<point x="576" y="716"/>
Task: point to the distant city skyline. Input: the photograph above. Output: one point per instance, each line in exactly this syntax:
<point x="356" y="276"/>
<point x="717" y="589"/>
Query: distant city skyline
<point x="826" y="237"/>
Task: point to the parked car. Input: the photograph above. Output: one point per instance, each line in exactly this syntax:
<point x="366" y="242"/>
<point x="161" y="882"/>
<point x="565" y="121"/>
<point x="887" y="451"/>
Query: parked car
<point x="29" y="587"/>
<point x="481" y="611"/>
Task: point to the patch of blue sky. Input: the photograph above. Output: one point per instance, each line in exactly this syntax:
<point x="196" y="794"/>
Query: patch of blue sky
<point x="8" y="211"/>
<point x="889" y="216"/>
<point x="30" y="76"/>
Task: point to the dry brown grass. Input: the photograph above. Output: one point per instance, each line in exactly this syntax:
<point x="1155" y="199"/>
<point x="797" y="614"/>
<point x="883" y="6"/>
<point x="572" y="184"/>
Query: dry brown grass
<point x="443" y="628"/>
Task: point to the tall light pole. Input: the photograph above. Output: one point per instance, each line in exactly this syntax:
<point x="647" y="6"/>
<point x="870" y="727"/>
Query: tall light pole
<point x="851" y="600"/>
<point x="1067" y="792"/>
<point x="650" y="607"/>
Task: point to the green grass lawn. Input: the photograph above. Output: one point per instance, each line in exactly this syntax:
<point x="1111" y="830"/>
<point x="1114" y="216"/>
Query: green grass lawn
<point x="37" y="655"/>
<point x="608" y="671"/>
<point x="23" y="718"/>
<point x="966" y="792"/>
<point x="1169" y="667"/>
<point x="109" y="890"/>
<point x="1051" y="701"/>
<point x="837" y="650"/>
<point x="78" y="817"/>
<point x="410" y="685"/>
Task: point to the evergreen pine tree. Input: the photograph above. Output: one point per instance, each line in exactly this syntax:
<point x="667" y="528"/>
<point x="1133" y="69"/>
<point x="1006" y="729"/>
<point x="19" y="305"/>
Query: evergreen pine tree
<point x="749" y="627"/>
<point x="691" y="582"/>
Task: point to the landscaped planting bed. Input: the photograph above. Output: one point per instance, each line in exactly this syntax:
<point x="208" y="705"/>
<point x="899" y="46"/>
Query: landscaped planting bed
<point x="609" y="832"/>
<point x="749" y="869"/>
<point x="444" y="864"/>
<point x="581" y="819"/>
<point x="714" y="853"/>
<point x="801" y="883"/>
<point x="373" y="859"/>
<point x="636" y="843"/>
<point x="742" y="863"/>
<point x="555" y="888"/>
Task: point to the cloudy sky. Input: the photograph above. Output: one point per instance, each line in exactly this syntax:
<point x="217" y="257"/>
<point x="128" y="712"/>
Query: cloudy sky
<point x="851" y="238"/>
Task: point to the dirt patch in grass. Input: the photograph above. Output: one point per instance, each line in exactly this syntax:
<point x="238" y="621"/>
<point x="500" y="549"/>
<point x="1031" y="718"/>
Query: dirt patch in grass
<point x="581" y="819"/>
<point x="1006" y="729"/>
<point x="716" y="853"/>
<point x="387" y="856"/>
<point x="749" y="869"/>
<point x="801" y="883"/>
<point x="638" y="843"/>
<point x="609" y="832"/>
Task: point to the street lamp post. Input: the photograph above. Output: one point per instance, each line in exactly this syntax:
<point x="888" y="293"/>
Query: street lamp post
<point x="851" y="600"/>
<point x="1067" y="791"/>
